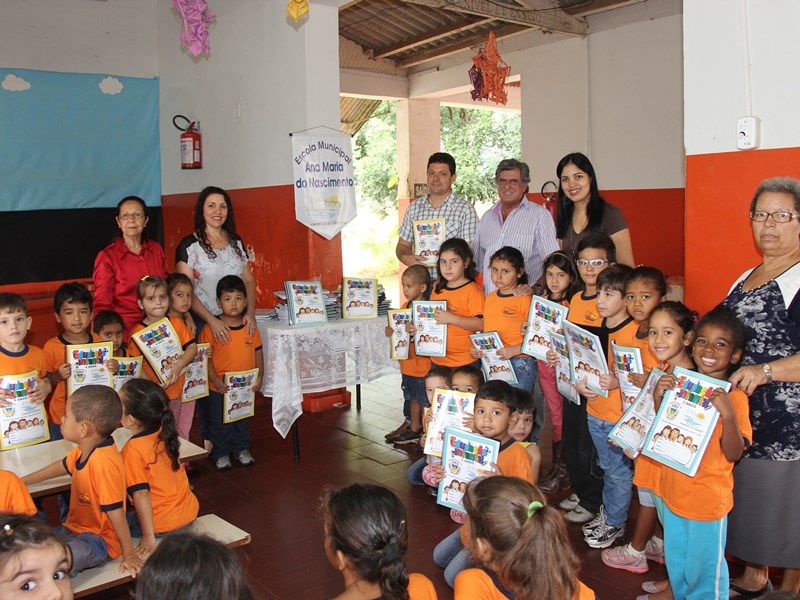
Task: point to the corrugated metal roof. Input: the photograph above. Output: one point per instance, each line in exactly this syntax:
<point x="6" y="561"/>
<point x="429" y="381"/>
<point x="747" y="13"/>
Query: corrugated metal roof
<point x="354" y="112"/>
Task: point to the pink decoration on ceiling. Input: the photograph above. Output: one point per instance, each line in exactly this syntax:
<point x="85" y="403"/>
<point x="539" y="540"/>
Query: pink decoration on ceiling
<point x="196" y="19"/>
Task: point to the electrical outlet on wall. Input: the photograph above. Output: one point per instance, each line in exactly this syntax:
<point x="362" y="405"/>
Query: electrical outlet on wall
<point x="748" y="133"/>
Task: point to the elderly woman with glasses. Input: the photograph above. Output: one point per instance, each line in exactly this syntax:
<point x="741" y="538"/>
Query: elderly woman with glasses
<point x="764" y="527"/>
<point x="119" y="266"/>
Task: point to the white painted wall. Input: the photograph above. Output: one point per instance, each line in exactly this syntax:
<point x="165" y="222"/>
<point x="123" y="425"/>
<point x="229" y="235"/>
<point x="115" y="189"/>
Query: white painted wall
<point x="715" y="72"/>
<point x="75" y="36"/>
<point x="284" y="77"/>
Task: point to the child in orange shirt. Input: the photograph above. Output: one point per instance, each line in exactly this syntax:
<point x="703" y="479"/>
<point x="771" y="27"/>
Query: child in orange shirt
<point x="108" y="326"/>
<point x="495" y="414"/>
<point x="464" y="314"/>
<point x="505" y="312"/>
<point x="366" y="536"/>
<point x="180" y="291"/>
<point x="14" y="496"/>
<point x="154" y="478"/>
<point x="695" y="509"/>
<point x="153" y="298"/>
<point x="95" y="529"/>
<point x="415" y="281"/>
<point x="521" y="544"/>
<point x="521" y="430"/>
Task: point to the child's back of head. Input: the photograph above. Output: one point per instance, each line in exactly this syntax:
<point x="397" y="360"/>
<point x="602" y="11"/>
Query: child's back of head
<point x="521" y="538"/>
<point x="186" y="566"/>
<point x="147" y="402"/>
<point x="99" y="405"/>
<point x="368" y="524"/>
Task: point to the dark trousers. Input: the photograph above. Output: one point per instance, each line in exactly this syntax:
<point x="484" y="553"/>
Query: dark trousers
<point x="581" y="457"/>
<point x="228" y="438"/>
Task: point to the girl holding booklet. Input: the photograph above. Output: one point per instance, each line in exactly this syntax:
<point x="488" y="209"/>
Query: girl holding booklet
<point x="504" y="312"/>
<point x="695" y="511"/>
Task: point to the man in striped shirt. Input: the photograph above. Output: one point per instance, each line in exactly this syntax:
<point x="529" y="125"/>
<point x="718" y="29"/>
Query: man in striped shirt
<point x="514" y="221"/>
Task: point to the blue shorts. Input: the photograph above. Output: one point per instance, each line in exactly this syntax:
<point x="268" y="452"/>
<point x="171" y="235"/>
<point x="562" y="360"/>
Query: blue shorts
<point x="414" y="389"/>
<point x="88" y="550"/>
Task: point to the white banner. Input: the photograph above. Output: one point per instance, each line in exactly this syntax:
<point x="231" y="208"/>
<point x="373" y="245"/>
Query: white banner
<point x="324" y="188"/>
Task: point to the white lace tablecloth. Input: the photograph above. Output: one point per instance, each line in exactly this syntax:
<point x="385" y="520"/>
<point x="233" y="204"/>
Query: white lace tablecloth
<point x="303" y="360"/>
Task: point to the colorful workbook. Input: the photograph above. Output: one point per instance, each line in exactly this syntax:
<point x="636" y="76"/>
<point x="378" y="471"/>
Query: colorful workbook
<point x="428" y="237"/>
<point x="563" y="379"/>
<point x="306" y="302"/>
<point x="239" y="400"/>
<point x="22" y="422"/>
<point x="627" y="359"/>
<point x="431" y="337"/>
<point x="449" y="409"/>
<point x="684" y="422"/>
<point x="630" y="432"/>
<point x="586" y="357"/>
<point x="160" y="346"/>
<point x="400" y="341"/>
<point x="195" y="383"/>
<point x="544" y="317"/>
<point x="466" y="456"/>
<point x="359" y="298"/>
<point x="128" y="368"/>
<point x="87" y="364"/>
<point x="494" y="367"/>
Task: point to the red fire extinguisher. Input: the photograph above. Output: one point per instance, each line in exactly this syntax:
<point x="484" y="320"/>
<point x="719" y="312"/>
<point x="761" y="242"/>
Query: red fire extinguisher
<point x="191" y="148"/>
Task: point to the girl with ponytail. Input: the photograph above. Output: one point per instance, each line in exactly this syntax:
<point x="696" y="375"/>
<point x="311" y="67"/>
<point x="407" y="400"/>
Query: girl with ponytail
<point x="521" y="544"/>
<point x="153" y="474"/>
<point x="366" y="536"/>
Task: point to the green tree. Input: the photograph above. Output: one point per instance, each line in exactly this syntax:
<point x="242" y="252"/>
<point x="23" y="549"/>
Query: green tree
<point x="375" y="160"/>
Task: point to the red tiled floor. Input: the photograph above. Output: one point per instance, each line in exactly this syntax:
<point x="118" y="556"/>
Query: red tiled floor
<point x="276" y="500"/>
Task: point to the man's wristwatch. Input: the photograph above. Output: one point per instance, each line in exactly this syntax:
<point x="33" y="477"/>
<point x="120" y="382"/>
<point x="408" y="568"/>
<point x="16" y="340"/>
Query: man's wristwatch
<point x="767" y="372"/>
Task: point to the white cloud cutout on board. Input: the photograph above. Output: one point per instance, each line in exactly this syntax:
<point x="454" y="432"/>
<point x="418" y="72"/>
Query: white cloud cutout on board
<point x="111" y="86"/>
<point x="12" y="83"/>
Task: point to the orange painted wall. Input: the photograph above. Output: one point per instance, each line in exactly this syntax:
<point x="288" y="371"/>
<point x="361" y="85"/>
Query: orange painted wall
<point x="719" y="241"/>
<point x="284" y="248"/>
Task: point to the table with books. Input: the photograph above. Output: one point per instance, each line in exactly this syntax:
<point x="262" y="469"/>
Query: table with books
<point x="316" y="358"/>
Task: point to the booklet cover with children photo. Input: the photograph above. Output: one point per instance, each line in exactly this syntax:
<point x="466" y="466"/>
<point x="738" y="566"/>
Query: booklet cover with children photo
<point x="493" y="367"/>
<point x="563" y="379"/>
<point x="87" y="363"/>
<point x="544" y="317"/>
<point x="684" y="422"/>
<point x="306" y="302"/>
<point x="400" y="341"/>
<point x="449" y="409"/>
<point x="586" y="358"/>
<point x="359" y="298"/>
<point x="195" y="383"/>
<point x="160" y="346"/>
<point x="627" y="360"/>
<point x="428" y="237"/>
<point x="631" y="430"/>
<point x="127" y="369"/>
<point x="23" y="422"/>
<point x="239" y="400"/>
<point x="431" y="337"/>
<point x="466" y="456"/>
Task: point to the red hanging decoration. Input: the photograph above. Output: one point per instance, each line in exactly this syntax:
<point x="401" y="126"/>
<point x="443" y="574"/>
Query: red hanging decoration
<point x="488" y="74"/>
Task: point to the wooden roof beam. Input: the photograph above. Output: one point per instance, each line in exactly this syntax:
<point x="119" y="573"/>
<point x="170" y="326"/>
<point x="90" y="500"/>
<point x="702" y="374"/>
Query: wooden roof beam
<point x="555" y="19"/>
<point x="430" y="37"/>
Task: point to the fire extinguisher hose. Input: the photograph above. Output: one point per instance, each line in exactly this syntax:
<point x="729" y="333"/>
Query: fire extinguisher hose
<point x="189" y="123"/>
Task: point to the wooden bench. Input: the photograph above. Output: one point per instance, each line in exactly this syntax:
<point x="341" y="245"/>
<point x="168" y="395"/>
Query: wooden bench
<point x="108" y="576"/>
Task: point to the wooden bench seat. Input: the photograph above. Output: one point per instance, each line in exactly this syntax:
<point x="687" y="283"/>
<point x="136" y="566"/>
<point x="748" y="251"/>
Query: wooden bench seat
<point x="108" y="576"/>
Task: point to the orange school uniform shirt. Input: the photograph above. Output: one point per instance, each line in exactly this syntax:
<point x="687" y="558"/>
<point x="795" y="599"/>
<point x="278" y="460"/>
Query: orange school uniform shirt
<point x="583" y="310"/>
<point x="55" y="354"/>
<point x="98" y="487"/>
<point x="420" y="587"/>
<point x="505" y="314"/>
<point x="30" y="358"/>
<point x="414" y="366"/>
<point x="185" y="338"/>
<point x="482" y="584"/>
<point x="237" y="355"/>
<point x="464" y="301"/>
<point x="14" y="496"/>
<point x="708" y="496"/>
<point x="147" y="467"/>
<point x="610" y="409"/>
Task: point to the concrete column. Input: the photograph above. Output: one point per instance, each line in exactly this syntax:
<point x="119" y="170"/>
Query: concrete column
<point x="418" y="136"/>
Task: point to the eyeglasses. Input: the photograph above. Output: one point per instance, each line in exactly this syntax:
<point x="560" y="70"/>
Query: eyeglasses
<point x="759" y="216"/>
<point x="136" y="216"/>
<point x="595" y="262"/>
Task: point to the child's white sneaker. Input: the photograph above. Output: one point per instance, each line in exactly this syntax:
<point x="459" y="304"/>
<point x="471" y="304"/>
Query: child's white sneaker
<point x="625" y="558"/>
<point x="223" y="463"/>
<point x="569" y="503"/>
<point x="579" y="515"/>
<point x="245" y="458"/>
<point x="654" y="551"/>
